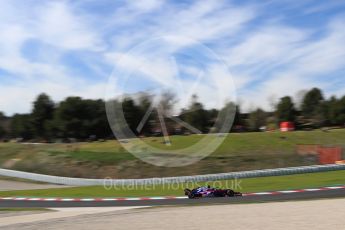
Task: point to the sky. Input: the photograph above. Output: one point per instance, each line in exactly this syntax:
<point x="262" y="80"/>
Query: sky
<point x="256" y="50"/>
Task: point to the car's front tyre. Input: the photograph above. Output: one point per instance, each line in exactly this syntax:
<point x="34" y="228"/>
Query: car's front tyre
<point x="230" y="193"/>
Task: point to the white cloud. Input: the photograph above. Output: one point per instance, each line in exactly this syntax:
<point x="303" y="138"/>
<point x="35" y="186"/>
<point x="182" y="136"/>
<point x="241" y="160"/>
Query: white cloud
<point x="200" y="20"/>
<point x="206" y="20"/>
<point x="56" y="24"/>
<point x="51" y="23"/>
<point x="146" y="5"/>
<point x="17" y="98"/>
<point x="267" y="55"/>
<point x="282" y="60"/>
<point x="268" y="45"/>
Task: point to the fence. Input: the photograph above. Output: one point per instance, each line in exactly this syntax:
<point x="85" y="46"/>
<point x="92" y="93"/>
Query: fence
<point x="197" y="178"/>
<point x="329" y="155"/>
<point x="325" y="154"/>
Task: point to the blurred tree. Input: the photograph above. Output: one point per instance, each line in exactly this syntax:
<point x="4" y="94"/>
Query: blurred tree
<point x="311" y="102"/>
<point x="69" y="118"/>
<point x="167" y="102"/>
<point x="196" y="115"/>
<point x="2" y="128"/>
<point x="313" y="108"/>
<point x="286" y="110"/>
<point x="96" y="122"/>
<point x="2" y="132"/>
<point x="132" y="113"/>
<point x="2" y="116"/>
<point x="21" y="126"/>
<point x="226" y="115"/>
<point x="257" y="119"/>
<point x="80" y="118"/>
<point x="238" y="118"/>
<point x="145" y="109"/>
<point x="341" y="112"/>
<point x="43" y="109"/>
<point x="212" y="115"/>
<point x="334" y="111"/>
<point x="331" y="110"/>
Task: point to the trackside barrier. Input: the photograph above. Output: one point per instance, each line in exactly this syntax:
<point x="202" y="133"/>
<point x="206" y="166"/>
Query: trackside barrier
<point x="166" y="180"/>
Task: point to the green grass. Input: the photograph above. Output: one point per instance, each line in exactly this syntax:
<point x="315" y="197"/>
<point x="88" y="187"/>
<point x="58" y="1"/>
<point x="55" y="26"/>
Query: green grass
<point x="93" y="156"/>
<point x="262" y="142"/>
<point x="309" y="180"/>
<point x="238" y="152"/>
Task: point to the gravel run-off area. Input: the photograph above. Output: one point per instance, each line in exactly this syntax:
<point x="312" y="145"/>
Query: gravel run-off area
<point x="297" y="215"/>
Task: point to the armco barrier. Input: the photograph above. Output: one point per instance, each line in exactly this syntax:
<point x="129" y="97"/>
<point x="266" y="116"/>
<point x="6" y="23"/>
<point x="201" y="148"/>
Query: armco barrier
<point x="148" y="181"/>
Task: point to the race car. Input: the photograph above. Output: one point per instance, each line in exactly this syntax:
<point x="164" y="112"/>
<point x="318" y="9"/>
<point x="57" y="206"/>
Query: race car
<point x="201" y="192"/>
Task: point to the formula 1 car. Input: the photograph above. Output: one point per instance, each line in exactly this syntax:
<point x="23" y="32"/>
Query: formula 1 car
<point x="201" y="192"/>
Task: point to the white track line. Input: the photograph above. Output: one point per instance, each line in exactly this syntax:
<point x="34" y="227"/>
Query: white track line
<point x="119" y="199"/>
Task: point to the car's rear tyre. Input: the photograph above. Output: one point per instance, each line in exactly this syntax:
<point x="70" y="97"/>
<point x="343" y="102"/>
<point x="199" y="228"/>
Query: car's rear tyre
<point x="230" y="193"/>
<point x="189" y="193"/>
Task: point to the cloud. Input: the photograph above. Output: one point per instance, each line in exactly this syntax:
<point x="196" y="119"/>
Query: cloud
<point x="324" y="6"/>
<point x="267" y="52"/>
<point x="18" y="97"/>
<point x="281" y="60"/>
<point x="267" y="45"/>
<point x="146" y="5"/>
<point x="53" y="25"/>
<point x="58" y="25"/>
<point x="180" y="20"/>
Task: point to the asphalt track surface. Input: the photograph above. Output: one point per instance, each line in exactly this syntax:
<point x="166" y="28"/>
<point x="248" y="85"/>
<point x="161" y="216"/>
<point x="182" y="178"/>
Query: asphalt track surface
<point x="229" y="200"/>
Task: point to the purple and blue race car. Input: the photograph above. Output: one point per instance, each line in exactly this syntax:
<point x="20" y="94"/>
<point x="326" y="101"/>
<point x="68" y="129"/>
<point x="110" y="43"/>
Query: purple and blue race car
<point x="208" y="191"/>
